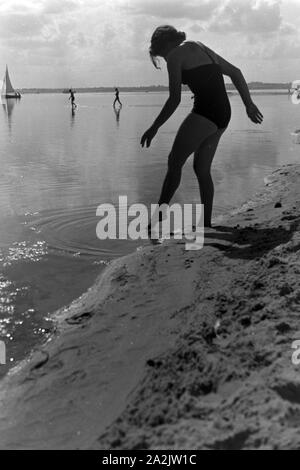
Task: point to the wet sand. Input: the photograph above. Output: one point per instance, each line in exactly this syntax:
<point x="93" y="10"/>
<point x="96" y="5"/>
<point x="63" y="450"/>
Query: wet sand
<point x="175" y="349"/>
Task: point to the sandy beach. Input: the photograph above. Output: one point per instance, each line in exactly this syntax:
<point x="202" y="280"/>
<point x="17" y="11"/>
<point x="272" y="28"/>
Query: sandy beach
<point x="176" y="349"/>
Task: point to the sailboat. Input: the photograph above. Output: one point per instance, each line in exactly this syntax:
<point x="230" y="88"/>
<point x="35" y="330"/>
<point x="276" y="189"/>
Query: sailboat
<point x="7" y="88"/>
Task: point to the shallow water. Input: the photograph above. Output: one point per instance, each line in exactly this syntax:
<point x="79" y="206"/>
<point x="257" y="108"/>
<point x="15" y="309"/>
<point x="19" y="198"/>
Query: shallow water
<point x="58" y="166"/>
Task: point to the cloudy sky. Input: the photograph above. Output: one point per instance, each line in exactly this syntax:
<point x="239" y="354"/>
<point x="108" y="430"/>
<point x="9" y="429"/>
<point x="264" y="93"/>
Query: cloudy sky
<point x="57" y="43"/>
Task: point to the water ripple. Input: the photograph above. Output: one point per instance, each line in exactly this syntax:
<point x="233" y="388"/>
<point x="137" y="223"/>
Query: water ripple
<point x="73" y="231"/>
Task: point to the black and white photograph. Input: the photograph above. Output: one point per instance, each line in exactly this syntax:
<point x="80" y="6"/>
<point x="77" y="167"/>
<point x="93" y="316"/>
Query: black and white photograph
<point x="149" y="228"/>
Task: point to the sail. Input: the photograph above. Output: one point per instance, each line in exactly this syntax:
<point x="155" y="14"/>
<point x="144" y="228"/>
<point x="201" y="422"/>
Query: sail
<point x="7" y="88"/>
<point x="3" y="87"/>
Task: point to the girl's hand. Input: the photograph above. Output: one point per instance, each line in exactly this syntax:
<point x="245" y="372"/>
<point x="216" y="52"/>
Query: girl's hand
<point x="254" y="113"/>
<point x="148" y="136"/>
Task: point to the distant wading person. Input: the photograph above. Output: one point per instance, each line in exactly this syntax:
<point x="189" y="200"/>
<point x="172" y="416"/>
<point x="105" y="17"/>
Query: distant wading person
<point x="199" y="67"/>
<point x="72" y="98"/>
<point x="117" y="99"/>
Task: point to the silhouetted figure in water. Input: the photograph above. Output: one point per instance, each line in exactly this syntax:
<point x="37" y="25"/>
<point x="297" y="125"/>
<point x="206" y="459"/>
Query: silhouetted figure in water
<point x="195" y="65"/>
<point x="117" y="99"/>
<point x="72" y="98"/>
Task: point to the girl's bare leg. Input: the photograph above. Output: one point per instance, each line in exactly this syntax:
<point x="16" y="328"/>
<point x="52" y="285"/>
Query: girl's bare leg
<point x="194" y="130"/>
<point x="203" y="158"/>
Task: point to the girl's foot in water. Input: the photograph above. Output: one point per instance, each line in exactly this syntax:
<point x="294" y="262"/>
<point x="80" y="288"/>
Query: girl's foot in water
<point x="153" y="237"/>
<point x="156" y="218"/>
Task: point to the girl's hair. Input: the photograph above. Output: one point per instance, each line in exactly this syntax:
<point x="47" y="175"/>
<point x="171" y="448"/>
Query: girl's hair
<point x="161" y="36"/>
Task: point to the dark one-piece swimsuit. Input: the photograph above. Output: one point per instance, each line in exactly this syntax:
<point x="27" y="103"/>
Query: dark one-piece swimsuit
<point x="210" y="96"/>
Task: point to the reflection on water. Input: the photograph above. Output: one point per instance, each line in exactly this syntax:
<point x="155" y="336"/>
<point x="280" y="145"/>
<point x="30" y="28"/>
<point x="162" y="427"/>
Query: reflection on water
<point x="58" y="165"/>
<point x="117" y="111"/>
<point x="8" y="106"/>
<point x="73" y="113"/>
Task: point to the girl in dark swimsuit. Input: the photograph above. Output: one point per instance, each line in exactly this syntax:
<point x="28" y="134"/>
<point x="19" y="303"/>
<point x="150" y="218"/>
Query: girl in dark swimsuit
<point x="202" y="70"/>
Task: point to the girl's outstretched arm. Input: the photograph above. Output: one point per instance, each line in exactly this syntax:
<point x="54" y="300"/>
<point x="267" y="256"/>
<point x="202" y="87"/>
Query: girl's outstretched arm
<point x="240" y="84"/>
<point x="174" y="70"/>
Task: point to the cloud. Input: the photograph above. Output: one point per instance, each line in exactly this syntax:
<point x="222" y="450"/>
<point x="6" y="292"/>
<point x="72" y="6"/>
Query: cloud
<point x="287" y="28"/>
<point x="36" y="33"/>
<point x="21" y="24"/>
<point x="286" y="48"/>
<point x="172" y="9"/>
<point x="58" y="7"/>
<point x="252" y="16"/>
